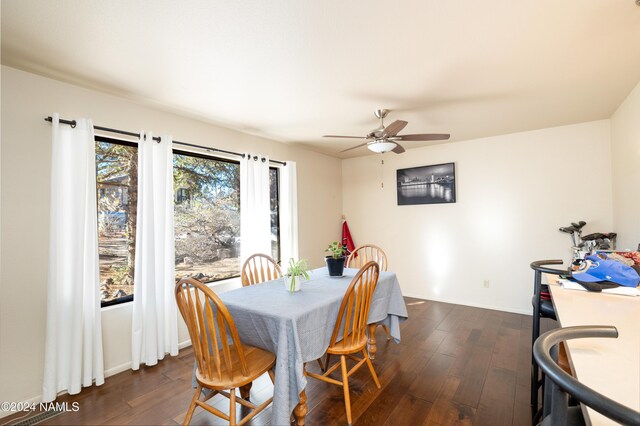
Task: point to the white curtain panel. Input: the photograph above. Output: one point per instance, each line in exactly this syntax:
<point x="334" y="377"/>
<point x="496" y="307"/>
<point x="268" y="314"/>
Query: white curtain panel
<point x="155" y="321"/>
<point x="288" y="213"/>
<point x="73" y="346"/>
<point x="255" y="212"/>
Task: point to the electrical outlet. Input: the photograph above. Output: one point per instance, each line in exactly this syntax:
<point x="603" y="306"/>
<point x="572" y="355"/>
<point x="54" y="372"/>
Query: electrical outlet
<point x="486" y="283"/>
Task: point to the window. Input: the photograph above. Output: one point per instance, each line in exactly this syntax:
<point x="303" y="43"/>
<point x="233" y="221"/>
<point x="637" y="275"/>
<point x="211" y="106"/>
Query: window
<point x="117" y="184"/>
<point x="207" y="217"/>
<point x="183" y="195"/>
<point x="274" y="191"/>
<point x="207" y="227"/>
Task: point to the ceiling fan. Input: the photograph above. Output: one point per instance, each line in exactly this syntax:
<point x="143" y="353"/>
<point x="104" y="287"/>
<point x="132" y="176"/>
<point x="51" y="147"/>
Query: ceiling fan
<point x="384" y="139"/>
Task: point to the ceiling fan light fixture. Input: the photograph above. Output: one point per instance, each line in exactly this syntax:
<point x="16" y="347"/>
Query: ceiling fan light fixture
<point x="383" y="139"/>
<point x="381" y="146"/>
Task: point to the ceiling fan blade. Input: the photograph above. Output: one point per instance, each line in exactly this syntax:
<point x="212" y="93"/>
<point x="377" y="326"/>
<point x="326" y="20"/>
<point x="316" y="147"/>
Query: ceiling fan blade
<point x="393" y="128"/>
<point x="344" y="137"/>
<point x="398" y="149"/>
<point x="354" y="147"/>
<point x="425" y="137"/>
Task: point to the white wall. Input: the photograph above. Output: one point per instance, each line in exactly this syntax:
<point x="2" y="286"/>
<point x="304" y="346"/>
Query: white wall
<point x="513" y="193"/>
<point x="26" y="100"/>
<point x="625" y="152"/>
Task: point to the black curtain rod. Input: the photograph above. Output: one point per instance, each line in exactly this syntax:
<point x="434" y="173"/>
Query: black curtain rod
<point x="72" y="123"/>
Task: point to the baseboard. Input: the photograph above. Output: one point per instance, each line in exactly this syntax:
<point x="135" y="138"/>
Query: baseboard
<point x="127" y="365"/>
<point x="117" y="369"/>
<point x="477" y="305"/>
<point x="107" y="373"/>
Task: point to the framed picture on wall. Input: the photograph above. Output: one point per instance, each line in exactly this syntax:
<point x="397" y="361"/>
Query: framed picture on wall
<point x="427" y="184"/>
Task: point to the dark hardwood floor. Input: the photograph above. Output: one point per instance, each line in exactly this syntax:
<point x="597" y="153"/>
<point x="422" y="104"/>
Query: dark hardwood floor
<point x="455" y="365"/>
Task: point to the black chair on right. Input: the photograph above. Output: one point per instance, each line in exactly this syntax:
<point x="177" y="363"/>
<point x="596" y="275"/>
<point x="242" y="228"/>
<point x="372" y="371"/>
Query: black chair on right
<point x="542" y="308"/>
<point x="559" y="385"/>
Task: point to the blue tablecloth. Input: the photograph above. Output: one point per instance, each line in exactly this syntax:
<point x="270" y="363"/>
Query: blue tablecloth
<point x="297" y="327"/>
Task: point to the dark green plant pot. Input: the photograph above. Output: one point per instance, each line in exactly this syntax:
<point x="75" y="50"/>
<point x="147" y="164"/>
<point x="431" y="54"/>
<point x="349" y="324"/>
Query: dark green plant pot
<point x="335" y="266"/>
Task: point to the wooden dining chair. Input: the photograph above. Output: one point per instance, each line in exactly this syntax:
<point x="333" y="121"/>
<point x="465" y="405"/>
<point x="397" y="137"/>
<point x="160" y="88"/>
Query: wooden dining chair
<point x="363" y="254"/>
<point x="259" y="268"/>
<point x="349" y="334"/>
<point x="224" y="363"/>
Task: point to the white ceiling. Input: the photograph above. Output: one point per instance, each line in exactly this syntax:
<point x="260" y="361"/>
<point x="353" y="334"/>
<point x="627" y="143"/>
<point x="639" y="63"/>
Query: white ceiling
<point x="295" y="70"/>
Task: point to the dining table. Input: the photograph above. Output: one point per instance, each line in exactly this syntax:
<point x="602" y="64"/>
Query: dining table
<point x="297" y="326"/>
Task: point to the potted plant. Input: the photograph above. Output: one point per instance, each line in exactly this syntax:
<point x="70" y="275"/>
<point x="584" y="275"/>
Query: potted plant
<point x="296" y="271"/>
<point x="335" y="261"/>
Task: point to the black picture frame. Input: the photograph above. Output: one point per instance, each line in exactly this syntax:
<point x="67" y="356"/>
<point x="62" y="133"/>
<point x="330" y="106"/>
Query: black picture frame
<point x="432" y="184"/>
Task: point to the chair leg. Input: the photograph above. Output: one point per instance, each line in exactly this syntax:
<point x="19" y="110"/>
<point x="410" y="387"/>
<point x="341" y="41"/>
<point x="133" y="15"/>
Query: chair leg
<point x="345" y="387"/>
<point x="192" y="406"/>
<point x="326" y="361"/>
<point x="232" y="407"/>
<point x="535" y="333"/>
<point x="245" y="391"/>
<point x="370" y="365"/>
<point x="386" y="331"/>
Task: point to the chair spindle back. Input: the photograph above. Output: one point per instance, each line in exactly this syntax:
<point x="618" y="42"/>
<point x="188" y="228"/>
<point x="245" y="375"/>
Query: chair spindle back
<point x="354" y="310"/>
<point x="210" y="326"/>
<point x="366" y="253"/>
<point x="259" y="268"/>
